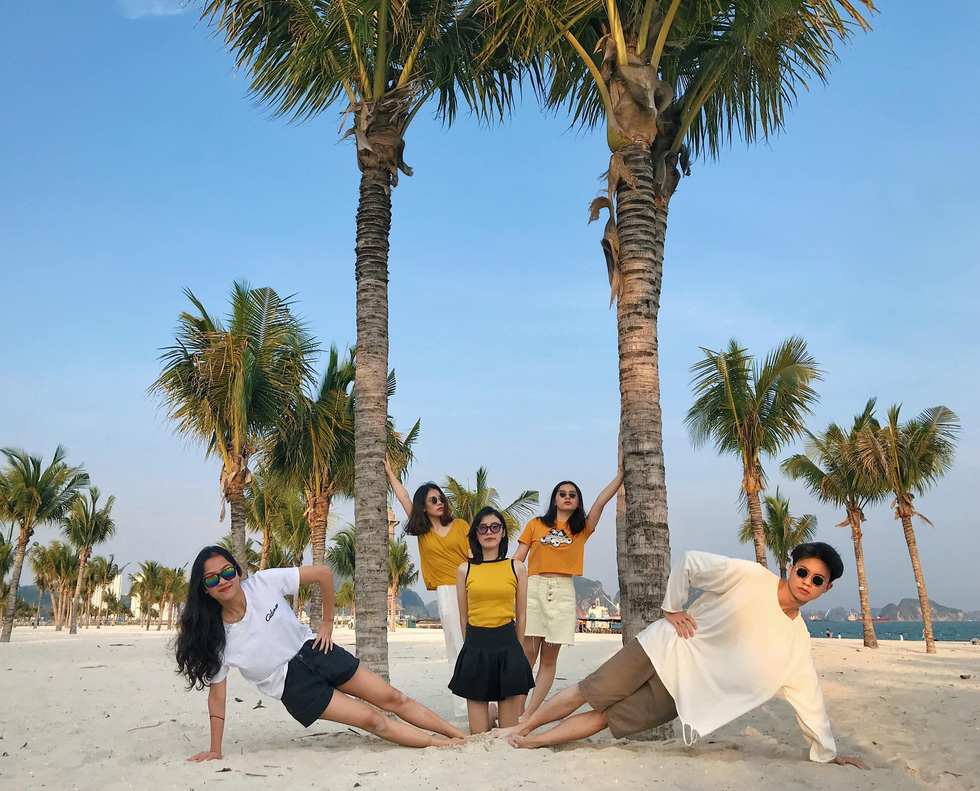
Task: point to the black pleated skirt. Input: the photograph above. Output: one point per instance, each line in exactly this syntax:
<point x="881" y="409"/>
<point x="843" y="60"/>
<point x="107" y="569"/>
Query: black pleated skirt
<point x="491" y="665"/>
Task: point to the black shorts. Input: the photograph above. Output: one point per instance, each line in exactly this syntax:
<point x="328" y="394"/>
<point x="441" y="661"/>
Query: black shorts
<point x="311" y="678"/>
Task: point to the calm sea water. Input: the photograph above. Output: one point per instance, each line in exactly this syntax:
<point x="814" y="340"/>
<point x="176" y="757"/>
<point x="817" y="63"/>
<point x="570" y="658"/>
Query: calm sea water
<point x="956" y="631"/>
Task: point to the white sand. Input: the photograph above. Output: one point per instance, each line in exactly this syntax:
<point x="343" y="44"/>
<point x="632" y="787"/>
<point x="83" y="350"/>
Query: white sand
<point x="104" y="710"/>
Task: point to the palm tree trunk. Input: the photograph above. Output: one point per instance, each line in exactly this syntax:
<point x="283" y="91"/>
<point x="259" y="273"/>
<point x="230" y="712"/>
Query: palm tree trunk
<point x="318" y="547"/>
<point x="920" y="584"/>
<point x="758" y="530"/>
<point x="77" y="599"/>
<point x="8" y="615"/>
<point x="235" y="493"/>
<point x="59" y="616"/>
<point x="266" y="536"/>
<point x="782" y="568"/>
<point x="370" y="416"/>
<point x="870" y="639"/>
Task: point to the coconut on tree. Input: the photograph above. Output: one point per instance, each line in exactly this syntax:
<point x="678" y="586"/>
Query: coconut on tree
<point x="32" y="494"/>
<point x="466" y="503"/>
<point x="909" y="459"/>
<point x="225" y="385"/>
<point x="830" y="469"/>
<point x="783" y="531"/>
<point x="86" y="525"/>
<point x="379" y="62"/>
<point x="667" y="80"/>
<point x="747" y="409"/>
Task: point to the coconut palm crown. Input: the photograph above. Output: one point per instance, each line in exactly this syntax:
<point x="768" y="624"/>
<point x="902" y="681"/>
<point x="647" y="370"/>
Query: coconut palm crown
<point x="467" y="503"/>
<point x="783" y="530"/>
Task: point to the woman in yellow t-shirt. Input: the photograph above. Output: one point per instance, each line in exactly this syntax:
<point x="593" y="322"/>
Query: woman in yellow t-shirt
<point x="554" y="546"/>
<point x="492" y="593"/>
<point x="443" y="545"/>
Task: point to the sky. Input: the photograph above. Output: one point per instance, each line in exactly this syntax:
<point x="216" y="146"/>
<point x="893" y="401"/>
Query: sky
<point x="135" y="165"/>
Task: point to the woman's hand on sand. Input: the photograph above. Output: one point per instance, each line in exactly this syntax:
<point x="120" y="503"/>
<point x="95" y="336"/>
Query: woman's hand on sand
<point x="685" y="625"/>
<point x="324" y="638"/>
<point x="850" y="760"/>
<point x="207" y="755"/>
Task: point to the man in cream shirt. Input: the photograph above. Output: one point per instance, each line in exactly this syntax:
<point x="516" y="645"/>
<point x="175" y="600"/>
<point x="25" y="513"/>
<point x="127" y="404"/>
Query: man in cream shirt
<point x="741" y="642"/>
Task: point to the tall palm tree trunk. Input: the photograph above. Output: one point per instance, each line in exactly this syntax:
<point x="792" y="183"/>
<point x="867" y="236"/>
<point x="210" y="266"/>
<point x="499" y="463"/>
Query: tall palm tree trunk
<point x="320" y="515"/>
<point x="8" y="615"/>
<point x="266" y="536"/>
<point x="77" y="598"/>
<point x="370" y="415"/>
<point x="642" y="535"/>
<point x="235" y="494"/>
<point x="920" y="584"/>
<point x="758" y="529"/>
<point x="59" y="616"/>
<point x="870" y="639"/>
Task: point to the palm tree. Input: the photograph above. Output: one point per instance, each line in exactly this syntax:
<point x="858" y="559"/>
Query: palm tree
<point x="466" y="503"/>
<point x="342" y="556"/>
<point x="261" y="511"/>
<point x="42" y="567"/>
<point x="226" y="387"/>
<point x="748" y="409"/>
<point x="6" y="561"/>
<point x="829" y="469"/>
<point x="32" y="495"/>
<point x="64" y="565"/>
<point x="662" y="77"/>
<point x="384" y="60"/>
<point x="909" y="459"/>
<point x="148" y="585"/>
<point x="401" y="573"/>
<point x="293" y="533"/>
<point x="252" y="557"/>
<point x="85" y="526"/>
<point x="783" y="530"/>
<point x="344" y="597"/>
<point x="173" y="588"/>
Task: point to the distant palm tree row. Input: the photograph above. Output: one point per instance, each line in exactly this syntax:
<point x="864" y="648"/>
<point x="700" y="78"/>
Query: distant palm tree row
<point x="749" y="409"/>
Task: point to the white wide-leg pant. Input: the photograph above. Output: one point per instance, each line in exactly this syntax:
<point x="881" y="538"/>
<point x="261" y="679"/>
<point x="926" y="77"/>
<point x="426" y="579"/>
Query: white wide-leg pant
<point x="453" y="634"/>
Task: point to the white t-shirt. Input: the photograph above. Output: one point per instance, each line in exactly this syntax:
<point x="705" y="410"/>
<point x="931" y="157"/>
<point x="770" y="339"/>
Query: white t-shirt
<point x="745" y="650"/>
<point x="262" y="643"/>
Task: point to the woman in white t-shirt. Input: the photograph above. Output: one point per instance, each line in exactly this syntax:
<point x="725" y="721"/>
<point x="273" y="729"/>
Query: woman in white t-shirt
<point x="248" y="624"/>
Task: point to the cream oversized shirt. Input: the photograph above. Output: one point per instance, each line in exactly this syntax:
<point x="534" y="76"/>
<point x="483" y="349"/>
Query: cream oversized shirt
<point x="745" y="650"/>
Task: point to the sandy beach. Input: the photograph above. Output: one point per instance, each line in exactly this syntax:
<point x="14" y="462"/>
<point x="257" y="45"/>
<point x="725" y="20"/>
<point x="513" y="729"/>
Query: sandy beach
<point x="106" y="711"/>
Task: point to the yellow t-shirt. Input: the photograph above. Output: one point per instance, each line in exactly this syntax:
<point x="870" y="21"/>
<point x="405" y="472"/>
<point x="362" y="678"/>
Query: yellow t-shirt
<point x="491" y="593"/>
<point x="554" y="550"/>
<point x="440" y="556"/>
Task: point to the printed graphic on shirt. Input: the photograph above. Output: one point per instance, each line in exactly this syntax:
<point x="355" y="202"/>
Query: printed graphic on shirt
<point x="272" y="612"/>
<point x="556" y="538"/>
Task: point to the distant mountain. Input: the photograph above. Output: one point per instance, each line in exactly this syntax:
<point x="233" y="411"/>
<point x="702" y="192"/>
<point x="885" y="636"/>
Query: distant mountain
<point x="587" y="591"/>
<point x="412" y="604"/>
<point x="909" y="610"/>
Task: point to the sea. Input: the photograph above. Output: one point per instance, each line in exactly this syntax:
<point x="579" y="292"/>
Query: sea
<point x="952" y="631"/>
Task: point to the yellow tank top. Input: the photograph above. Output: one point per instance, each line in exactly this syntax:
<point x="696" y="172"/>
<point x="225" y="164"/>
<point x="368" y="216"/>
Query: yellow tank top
<point x="441" y="555"/>
<point x="491" y="593"/>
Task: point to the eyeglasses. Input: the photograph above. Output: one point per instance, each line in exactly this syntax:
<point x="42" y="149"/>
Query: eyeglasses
<point x="226" y="574"/>
<point x="494" y="528"/>
<point x="572" y="495"/>
<point x="440" y="499"/>
<point x="817" y="579"/>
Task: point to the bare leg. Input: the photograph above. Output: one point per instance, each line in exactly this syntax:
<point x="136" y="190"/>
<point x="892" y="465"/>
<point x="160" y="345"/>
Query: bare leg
<point x="559" y="707"/>
<point x="479" y="716"/>
<point x="370" y="687"/>
<point x="532" y="647"/>
<point x="545" y="677"/>
<point x="346" y="710"/>
<point x="580" y="726"/>
<point x="508" y="710"/>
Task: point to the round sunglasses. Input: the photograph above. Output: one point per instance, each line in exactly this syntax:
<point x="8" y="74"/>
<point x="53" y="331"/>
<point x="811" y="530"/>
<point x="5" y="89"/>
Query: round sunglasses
<point x="494" y="528"/>
<point x="572" y="495"/>
<point x="226" y="574"/>
<point x="817" y="579"/>
<point x="436" y="500"/>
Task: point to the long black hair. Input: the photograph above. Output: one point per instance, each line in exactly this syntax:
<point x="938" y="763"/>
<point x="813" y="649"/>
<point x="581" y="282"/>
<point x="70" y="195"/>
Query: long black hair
<point x="475" y="547"/>
<point x="418" y="523"/>
<point x="576" y="522"/>
<point x="201" y="633"/>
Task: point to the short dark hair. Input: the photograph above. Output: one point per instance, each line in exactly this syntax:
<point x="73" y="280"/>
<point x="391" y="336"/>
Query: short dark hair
<point x="418" y="521"/>
<point x="475" y="547"/>
<point x="822" y="552"/>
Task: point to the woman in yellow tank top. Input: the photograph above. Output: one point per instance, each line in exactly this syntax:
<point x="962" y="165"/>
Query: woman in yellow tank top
<point x="492" y="593"/>
<point x="443" y="545"/>
<point x="554" y="547"/>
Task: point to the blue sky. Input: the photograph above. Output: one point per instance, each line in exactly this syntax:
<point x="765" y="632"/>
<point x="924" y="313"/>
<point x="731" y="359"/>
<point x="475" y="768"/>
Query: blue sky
<point x="136" y="166"/>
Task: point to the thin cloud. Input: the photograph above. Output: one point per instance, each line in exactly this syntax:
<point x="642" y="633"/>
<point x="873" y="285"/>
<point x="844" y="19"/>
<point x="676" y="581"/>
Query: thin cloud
<point x="138" y="9"/>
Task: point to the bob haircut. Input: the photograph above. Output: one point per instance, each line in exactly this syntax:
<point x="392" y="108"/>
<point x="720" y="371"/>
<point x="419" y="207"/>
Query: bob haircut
<point x="418" y="523"/>
<point x="201" y="632"/>
<point x="822" y="552"/>
<point x="475" y="547"/>
<point x="576" y="522"/>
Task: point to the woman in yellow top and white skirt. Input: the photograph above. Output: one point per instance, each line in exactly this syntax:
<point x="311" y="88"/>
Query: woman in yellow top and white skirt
<point x="492" y="593"/>
<point x="554" y="547"/>
<point x="443" y="545"/>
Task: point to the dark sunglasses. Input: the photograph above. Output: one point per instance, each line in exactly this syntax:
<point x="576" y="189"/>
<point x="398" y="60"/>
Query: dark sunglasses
<point x="572" y="495"/>
<point x="494" y="528"/>
<point x="817" y="579"/>
<point x="227" y="574"/>
<point x="440" y="499"/>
